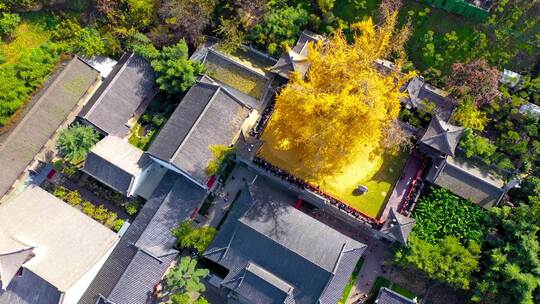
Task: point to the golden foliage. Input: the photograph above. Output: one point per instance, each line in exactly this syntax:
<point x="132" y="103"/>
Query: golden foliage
<point x="345" y="102"/>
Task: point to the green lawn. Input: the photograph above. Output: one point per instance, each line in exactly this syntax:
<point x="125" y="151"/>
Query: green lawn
<point x="352" y="281"/>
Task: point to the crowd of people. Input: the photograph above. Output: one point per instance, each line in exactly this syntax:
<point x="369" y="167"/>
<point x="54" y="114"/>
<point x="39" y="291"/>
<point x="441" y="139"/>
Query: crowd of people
<point x="265" y="116"/>
<point x="302" y="185"/>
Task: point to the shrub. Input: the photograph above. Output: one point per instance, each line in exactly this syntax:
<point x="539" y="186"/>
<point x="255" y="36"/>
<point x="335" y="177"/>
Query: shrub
<point x="74" y="198"/>
<point x="221" y="154"/>
<point x="132" y="207"/>
<point x="60" y="192"/>
<point x="118" y="224"/>
<point x="440" y="213"/>
<point x="8" y="23"/>
<point x="101" y="214"/>
<point x="88" y="209"/>
<point x="158" y="120"/>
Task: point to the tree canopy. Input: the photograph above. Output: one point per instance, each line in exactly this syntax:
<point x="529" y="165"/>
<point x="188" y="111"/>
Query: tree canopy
<point x="190" y="236"/>
<point x="345" y="102"/>
<point x="75" y="142"/>
<point x="175" y="72"/>
<point x="185" y="277"/>
<point x="477" y="79"/>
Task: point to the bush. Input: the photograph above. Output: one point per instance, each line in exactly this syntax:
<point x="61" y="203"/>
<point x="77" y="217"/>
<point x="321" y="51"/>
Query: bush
<point x="118" y="225"/>
<point x="101" y="214"/>
<point x="74" y="198"/>
<point x="132" y="207"/>
<point x="440" y="213"/>
<point x="88" y="209"/>
<point x="158" y="120"/>
<point x="60" y="192"/>
<point x="8" y="23"/>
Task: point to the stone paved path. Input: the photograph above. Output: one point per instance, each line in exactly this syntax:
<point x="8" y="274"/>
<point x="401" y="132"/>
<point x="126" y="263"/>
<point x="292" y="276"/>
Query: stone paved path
<point x="233" y="184"/>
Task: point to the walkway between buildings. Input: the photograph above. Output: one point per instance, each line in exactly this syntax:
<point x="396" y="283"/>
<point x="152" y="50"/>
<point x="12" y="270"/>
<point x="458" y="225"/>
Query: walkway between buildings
<point x="403" y="185"/>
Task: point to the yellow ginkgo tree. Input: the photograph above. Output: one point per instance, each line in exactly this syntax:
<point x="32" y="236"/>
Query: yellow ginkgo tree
<point x="346" y="101"/>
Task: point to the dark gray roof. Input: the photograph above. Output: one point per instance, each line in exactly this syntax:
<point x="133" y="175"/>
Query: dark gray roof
<point x="257" y="285"/>
<point x="208" y="115"/>
<point x="29" y="289"/>
<point x="398" y="226"/>
<point x="468" y="181"/>
<point x="295" y="60"/>
<point x="388" y="296"/>
<point x="40" y="123"/>
<point x="115" y="163"/>
<point x="119" y="98"/>
<point x="292" y="246"/>
<point x="442" y="136"/>
<point x="419" y="91"/>
<point x="145" y="251"/>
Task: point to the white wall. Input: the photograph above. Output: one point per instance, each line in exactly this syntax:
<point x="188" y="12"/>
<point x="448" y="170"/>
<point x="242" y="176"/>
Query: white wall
<point x="74" y="294"/>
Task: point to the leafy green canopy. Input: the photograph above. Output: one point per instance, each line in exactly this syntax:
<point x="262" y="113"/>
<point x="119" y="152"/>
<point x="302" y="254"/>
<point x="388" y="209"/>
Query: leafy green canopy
<point x="190" y="236"/>
<point x="18" y="80"/>
<point x="186" y="277"/>
<point x="440" y="213"/>
<point x="280" y="28"/>
<point x="8" y="23"/>
<point x="175" y="72"/>
<point x="447" y="261"/>
<point x="75" y="142"/>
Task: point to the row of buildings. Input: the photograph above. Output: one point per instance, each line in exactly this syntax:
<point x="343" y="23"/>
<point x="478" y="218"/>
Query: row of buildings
<point x="266" y="250"/>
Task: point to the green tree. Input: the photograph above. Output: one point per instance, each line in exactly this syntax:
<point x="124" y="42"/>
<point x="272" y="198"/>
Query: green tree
<point x="8" y="23"/>
<point x="175" y="72"/>
<point x="477" y="146"/>
<point x="190" y="236"/>
<point x="512" y="270"/>
<point x="221" y="154"/>
<point x="185" y="277"/>
<point x="75" y="142"/>
<point x="88" y="42"/>
<point x="468" y="115"/>
<point x="447" y="261"/>
<point x="280" y="28"/>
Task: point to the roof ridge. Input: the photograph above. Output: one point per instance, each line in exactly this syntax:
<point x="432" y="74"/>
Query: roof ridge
<point x="110" y="84"/>
<point x="472" y="175"/>
<point x="192" y="128"/>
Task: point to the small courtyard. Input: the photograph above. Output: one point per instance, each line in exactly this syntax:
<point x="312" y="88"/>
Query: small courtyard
<point x="375" y="169"/>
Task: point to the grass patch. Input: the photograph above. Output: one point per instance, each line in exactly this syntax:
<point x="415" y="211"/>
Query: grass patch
<point x="352" y="281"/>
<point x="377" y="170"/>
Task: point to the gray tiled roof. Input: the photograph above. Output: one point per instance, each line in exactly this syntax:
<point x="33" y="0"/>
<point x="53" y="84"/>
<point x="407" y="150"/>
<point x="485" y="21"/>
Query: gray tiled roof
<point x="299" y="250"/>
<point x="129" y="85"/>
<point x="398" y="226"/>
<point x="115" y="163"/>
<point x="29" y="289"/>
<point x="208" y="115"/>
<point x="257" y="285"/>
<point x="469" y="182"/>
<point x="388" y="296"/>
<point x="40" y="123"/>
<point x="419" y="91"/>
<point x="295" y="60"/>
<point x="145" y="251"/>
<point x="442" y="136"/>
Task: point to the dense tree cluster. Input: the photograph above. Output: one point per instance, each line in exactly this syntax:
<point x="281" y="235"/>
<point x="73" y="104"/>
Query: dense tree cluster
<point x="189" y="236"/>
